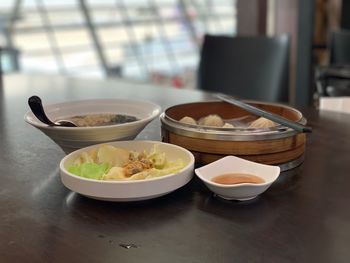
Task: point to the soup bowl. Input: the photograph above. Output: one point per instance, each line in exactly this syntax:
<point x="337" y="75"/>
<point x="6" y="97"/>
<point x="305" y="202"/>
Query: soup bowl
<point x="73" y="138"/>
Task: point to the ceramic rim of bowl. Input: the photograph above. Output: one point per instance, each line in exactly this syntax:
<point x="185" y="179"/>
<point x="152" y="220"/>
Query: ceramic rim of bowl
<point x="155" y="112"/>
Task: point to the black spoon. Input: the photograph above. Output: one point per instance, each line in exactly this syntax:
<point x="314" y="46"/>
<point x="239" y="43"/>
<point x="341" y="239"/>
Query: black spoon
<point x="37" y="108"/>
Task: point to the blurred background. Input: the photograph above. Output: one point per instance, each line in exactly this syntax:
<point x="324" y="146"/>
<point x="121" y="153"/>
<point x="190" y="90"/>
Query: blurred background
<point x="159" y="41"/>
<point x="145" y="40"/>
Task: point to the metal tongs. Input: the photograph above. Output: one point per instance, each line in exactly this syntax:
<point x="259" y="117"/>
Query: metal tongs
<point x="259" y="112"/>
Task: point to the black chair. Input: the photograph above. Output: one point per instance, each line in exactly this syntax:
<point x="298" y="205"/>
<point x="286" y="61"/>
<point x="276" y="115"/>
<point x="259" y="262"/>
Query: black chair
<point x="247" y="67"/>
<point x="339" y="47"/>
<point x="332" y="81"/>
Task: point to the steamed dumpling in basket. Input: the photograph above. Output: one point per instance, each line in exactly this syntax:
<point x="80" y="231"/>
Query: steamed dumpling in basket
<point x="211" y="120"/>
<point x="188" y="120"/>
<point x="262" y="123"/>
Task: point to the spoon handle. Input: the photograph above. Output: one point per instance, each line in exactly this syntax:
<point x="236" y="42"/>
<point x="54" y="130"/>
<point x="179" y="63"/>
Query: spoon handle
<point x="36" y="106"/>
<point x="259" y="112"/>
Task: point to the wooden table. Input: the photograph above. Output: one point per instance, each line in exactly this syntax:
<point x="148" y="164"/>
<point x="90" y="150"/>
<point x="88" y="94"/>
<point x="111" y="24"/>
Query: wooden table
<point x="303" y="217"/>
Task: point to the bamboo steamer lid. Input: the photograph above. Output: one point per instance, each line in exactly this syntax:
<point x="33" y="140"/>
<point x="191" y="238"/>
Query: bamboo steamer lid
<point x="277" y="145"/>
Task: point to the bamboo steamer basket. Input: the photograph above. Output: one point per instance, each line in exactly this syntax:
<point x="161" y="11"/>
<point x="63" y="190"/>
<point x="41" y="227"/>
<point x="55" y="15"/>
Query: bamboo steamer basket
<point x="278" y="145"/>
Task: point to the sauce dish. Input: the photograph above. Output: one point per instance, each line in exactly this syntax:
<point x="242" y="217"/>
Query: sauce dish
<point x="239" y="191"/>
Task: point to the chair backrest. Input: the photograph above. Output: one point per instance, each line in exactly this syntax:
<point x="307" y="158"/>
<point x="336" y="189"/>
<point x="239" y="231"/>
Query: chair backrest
<point x="339" y="47"/>
<point x="332" y="81"/>
<point x="248" y="67"/>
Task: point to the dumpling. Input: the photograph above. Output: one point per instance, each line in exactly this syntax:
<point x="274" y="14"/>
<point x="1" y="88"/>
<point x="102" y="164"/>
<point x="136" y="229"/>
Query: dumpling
<point x="262" y="123"/>
<point x="112" y="155"/>
<point x="228" y="125"/>
<point x="188" y="120"/>
<point x="211" y="120"/>
<point x="115" y="173"/>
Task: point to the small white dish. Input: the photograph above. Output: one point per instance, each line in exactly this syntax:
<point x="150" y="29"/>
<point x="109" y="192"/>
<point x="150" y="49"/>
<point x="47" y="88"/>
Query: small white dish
<point x="232" y="164"/>
<point x="73" y="138"/>
<point x="125" y="191"/>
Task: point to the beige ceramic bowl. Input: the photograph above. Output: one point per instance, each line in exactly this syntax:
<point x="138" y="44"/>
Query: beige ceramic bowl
<point x="73" y="138"/>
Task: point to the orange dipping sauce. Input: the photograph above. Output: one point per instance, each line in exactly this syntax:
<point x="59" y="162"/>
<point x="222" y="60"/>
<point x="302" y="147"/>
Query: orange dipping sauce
<point x="237" y="178"/>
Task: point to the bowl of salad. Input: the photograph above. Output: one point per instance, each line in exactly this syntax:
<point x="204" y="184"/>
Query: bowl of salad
<point x="127" y="170"/>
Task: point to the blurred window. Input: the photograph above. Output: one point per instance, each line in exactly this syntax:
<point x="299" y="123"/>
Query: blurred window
<point x="149" y="40"/>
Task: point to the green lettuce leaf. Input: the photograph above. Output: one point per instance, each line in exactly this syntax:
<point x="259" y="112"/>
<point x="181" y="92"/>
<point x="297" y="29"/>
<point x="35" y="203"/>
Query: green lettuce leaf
<point x="89" y="170"/>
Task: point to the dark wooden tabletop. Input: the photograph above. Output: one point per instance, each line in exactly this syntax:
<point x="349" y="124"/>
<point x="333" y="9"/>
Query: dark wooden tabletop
<point x="303" y="217"/>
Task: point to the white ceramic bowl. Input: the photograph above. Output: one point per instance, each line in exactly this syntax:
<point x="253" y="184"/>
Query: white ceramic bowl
<point x="130" y="190"/>
<point x="232" y="164"/>
<point x="70" y="139"/>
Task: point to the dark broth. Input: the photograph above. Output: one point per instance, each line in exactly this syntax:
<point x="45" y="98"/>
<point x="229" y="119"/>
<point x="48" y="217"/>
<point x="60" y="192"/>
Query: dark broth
<point x="103" y="119"/>
<point x="237" y="178"/>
